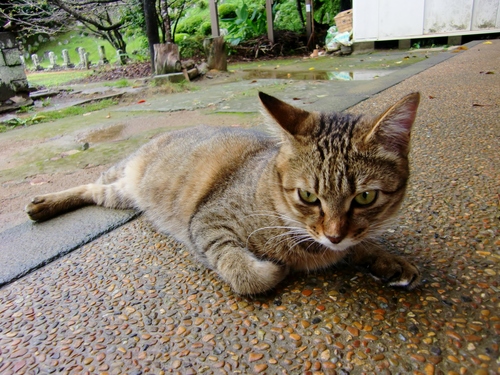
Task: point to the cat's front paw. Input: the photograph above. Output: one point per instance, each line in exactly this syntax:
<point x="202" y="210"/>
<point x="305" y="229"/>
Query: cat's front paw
<point x="395" y="271"/>
<point x="254" y="277"/>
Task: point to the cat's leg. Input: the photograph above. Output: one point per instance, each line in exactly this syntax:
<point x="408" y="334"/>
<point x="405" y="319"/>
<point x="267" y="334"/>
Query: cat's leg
<point x="392" y="269"/>
<point x="44" y="207"/>
<point x="245" y="273"/>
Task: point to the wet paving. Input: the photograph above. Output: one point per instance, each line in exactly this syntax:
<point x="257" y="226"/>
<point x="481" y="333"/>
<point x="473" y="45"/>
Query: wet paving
<point x="355" y="75"/>
<point x="134" y="301"/>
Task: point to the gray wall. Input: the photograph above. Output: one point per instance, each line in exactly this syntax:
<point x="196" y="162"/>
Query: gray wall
<point x="12" y="77"/>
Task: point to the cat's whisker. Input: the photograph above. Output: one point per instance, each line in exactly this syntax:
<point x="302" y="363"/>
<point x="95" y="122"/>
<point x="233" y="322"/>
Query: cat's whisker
<point x="275" y="215"/>
<point x="270" y="228"/>
<point x="291" y="235"/>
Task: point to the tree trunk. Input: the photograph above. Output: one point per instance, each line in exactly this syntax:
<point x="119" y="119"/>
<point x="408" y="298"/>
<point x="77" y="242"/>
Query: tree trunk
<point x="215" y="49"/>
<point x="151" y="29"/>
<point x="166" y="58"/>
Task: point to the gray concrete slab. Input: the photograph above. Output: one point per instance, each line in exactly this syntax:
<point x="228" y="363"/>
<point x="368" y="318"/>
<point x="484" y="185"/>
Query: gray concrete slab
<point x="29" y="246"/>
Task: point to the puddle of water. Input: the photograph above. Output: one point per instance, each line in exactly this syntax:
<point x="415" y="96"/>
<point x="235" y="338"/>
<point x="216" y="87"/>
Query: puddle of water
<point x="356" y="75"/>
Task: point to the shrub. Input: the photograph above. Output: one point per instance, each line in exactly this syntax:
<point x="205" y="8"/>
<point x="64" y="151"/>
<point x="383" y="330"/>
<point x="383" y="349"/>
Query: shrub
<point x="191" y="25"/>
<point x="190" y="46"/>
<point x="227" y="10"/>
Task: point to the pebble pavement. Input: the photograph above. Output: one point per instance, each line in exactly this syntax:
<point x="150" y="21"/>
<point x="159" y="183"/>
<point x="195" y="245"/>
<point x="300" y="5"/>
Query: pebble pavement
<point x="134" y="302"/>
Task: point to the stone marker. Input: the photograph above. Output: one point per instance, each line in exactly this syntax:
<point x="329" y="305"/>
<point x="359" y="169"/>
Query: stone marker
<point x="52" y="60"/>
<point x="66" y="60"/>
<point x="86" y="59"/>
<point x="102" y="56"/>
<point x="81" y="54"/>
<point x="36" y="62"/>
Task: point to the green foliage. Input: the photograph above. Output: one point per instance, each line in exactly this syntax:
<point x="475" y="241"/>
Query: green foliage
<point x="190" y="46"/>
<point x="192" y="24"/>
<point x="16" y="121"/>
<point x="227" y="10"/>
<point x="247" y="24"/>
<point x="326" y="10"/>
<point x="286" y="16"/>
<point x="55" y="115"/>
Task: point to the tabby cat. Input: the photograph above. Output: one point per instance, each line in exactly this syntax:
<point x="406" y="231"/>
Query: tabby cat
<point x="252" y="206"/>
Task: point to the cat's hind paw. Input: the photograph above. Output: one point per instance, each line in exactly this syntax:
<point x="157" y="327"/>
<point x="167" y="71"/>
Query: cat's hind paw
<point x="37" y="209"/>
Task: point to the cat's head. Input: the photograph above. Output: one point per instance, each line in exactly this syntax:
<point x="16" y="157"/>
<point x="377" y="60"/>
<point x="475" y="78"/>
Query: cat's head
<point x="342" y="176"/>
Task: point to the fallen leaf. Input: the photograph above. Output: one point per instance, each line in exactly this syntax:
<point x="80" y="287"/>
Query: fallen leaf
<point x="311" y="68"/>
<point x="481" y="105"/>
<point x="108" y="116"/>
<point x="253" y="81"/>
<point x="398" y="62"/>
<point x="487" y="72"/>
<point x="487" y="42"/>
<point x="431" y="97"/>
<point x="141" y="101"/>
<point x="296" y="99"/>
<point x="460" y="48"/>
<point x="321" y="96"/>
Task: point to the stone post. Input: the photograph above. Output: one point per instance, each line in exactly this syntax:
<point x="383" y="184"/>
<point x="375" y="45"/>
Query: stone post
<point x="81" y="54"/>
<point x="102" y="56"/>
<point x="86" y="59"/>
<point x="119" y="56"/>
<point x="36" y="62"/>
<point x="66" y="60"/>
<point x="52" y="60"/>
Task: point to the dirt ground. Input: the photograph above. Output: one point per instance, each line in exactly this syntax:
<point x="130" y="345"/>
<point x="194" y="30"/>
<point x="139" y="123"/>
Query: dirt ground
<point x="48" y="157"/>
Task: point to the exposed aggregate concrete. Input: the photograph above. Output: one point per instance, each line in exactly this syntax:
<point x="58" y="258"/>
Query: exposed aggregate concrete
<point x="133" y="301"/>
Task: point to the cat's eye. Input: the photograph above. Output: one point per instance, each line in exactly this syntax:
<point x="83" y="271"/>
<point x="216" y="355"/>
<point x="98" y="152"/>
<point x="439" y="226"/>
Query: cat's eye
<point x="366" y="198"/>
<point x="308" y="197"/>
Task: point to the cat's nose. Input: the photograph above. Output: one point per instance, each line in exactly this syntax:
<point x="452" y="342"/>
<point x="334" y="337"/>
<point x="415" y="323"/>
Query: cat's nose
<point x="335" y="239"/>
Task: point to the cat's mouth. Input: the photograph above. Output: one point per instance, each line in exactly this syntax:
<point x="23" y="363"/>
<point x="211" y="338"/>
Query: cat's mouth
<point x="342" y="245"/>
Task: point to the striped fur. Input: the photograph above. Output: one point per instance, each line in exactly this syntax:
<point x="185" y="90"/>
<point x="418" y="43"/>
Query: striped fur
<point x="233" y="196"/>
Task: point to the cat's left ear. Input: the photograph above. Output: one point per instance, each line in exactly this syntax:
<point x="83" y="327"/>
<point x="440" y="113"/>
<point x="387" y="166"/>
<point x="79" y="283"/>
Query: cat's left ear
<point x="393" y="128"/>
<point x="294" y="120"/>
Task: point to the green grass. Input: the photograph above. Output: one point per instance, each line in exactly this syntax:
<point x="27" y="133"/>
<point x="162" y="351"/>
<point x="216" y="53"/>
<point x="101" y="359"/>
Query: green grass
<point x="38" y="118"/>
<point x="51" y="79"/>
<point x="78" y="38"/>
<point x="122" y="82"/>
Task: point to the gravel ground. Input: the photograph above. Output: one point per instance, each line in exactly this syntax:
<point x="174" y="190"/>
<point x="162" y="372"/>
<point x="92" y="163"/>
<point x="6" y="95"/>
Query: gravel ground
<point x="134" y="302"/>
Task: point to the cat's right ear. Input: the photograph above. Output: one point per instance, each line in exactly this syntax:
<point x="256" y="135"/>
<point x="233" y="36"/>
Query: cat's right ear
<point x="293" y="120"/>
<point x="393" y="128"/>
